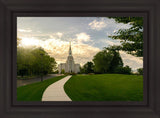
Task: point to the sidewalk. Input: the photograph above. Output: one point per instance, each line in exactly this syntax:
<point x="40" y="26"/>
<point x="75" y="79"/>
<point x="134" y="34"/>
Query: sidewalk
<point x="55" y="92"/>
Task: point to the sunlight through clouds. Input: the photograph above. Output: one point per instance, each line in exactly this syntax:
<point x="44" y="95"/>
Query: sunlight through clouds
<point x="59" y="49"/>
<point x="23" y="30"/>
<point x="59" y="34"/>
<point x="88" y="36"/>
<point x="81" y="52"/>
<point x="29" y="42"/>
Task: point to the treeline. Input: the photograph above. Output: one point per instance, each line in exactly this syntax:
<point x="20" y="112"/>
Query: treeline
<point x="34" y="61"/>
<point x="107" y="61"/>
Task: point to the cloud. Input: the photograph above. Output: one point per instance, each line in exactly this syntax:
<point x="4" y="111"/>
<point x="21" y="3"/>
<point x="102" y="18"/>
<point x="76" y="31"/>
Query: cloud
<point x="55" y="40"/>
<point x="59" y="34"/>
<point x="112" y="42"/>
<point x="59" y="49"/>
<point x="82" y="37"/>
<point x="97" y="25"/>
<point x="108" y="24"/>
<point x="56" y="35"/>
<point x="115" y="30"/>
<point x="84" y="52"/>
<point x="81" y="52"/>
<point x="132" y="61"/>
<point x="23" y="30"/>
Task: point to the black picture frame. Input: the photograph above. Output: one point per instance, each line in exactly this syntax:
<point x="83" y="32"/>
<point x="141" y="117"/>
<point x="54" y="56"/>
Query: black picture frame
<point x="10" y="9"/>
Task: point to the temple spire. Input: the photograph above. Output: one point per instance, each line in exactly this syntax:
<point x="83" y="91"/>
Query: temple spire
<point x="70" y="50"/>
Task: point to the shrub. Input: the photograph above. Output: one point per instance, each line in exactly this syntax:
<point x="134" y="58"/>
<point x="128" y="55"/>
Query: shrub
<point x="123" y="70"/>
<point x="72" y="73"/>
<point x="62" y="71"/>
<point x="90" y="73"/>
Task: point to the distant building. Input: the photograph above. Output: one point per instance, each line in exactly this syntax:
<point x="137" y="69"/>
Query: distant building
<point x="69" y="66"/>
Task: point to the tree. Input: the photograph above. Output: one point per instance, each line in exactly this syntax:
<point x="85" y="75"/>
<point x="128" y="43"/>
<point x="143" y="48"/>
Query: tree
<point x="34" y="61"/>
<point x="123" y="70"/>
<point x="43" y="62"/>
<point x="18" y="41"/>
<point x="132" y="38"/>
<point x="88" y="67"/>
<point x="107" y="60"/>
<point x="140" y="71"/>
<point x="82" y="70"/>
<point x="116" y="60"/>
<point x="102" y="61"/>
<point x="24" y="61"/>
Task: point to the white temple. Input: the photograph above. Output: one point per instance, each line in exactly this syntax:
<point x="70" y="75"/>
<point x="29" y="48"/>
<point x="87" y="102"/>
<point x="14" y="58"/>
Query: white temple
<point x="69" y="66"/>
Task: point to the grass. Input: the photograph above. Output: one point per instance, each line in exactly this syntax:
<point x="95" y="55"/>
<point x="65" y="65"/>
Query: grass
<point x="105" y="87"/>
<point x="34" y="92"/>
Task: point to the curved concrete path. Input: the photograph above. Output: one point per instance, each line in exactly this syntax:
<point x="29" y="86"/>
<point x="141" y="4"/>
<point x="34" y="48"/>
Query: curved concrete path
<point x="55" y="92"/>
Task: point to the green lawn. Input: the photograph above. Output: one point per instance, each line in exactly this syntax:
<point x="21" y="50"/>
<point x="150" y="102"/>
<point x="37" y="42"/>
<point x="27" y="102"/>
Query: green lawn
<point x="105" y="87"/>
<point x="34" y="92"/>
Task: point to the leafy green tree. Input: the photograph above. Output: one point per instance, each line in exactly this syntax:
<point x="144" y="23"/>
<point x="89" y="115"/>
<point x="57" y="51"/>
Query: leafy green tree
<point x="82" y="71"/>
<point x="131" y="39"/>
<point x="140" y="71"/>
<point x="123" y="70"/>
<point x="43" y="63"/>
<point x="34" y="61"/>
<point x="102" y="61"/>
<point x="116" y="60"/>
<point x="24" y="61"/>
<point x="107" y="60"/>
<point x="110" y="61"/>
<point x="88" y="67"/>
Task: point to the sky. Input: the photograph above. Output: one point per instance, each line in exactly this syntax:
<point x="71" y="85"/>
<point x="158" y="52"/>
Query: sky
<point x="88" y="35"/>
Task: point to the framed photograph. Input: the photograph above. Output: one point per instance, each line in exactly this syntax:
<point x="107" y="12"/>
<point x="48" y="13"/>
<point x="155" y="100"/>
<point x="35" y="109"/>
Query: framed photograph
<point x="91" y="60"/>
<point x="79" y="59"/>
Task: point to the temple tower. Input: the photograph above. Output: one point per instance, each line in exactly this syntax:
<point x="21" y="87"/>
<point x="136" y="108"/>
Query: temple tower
<point x="69" y="66"/>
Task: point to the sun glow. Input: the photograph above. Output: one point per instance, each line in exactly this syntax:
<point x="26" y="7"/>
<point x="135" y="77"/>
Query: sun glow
<point x="59" y="49"/>
<point x="30" y="42"/>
